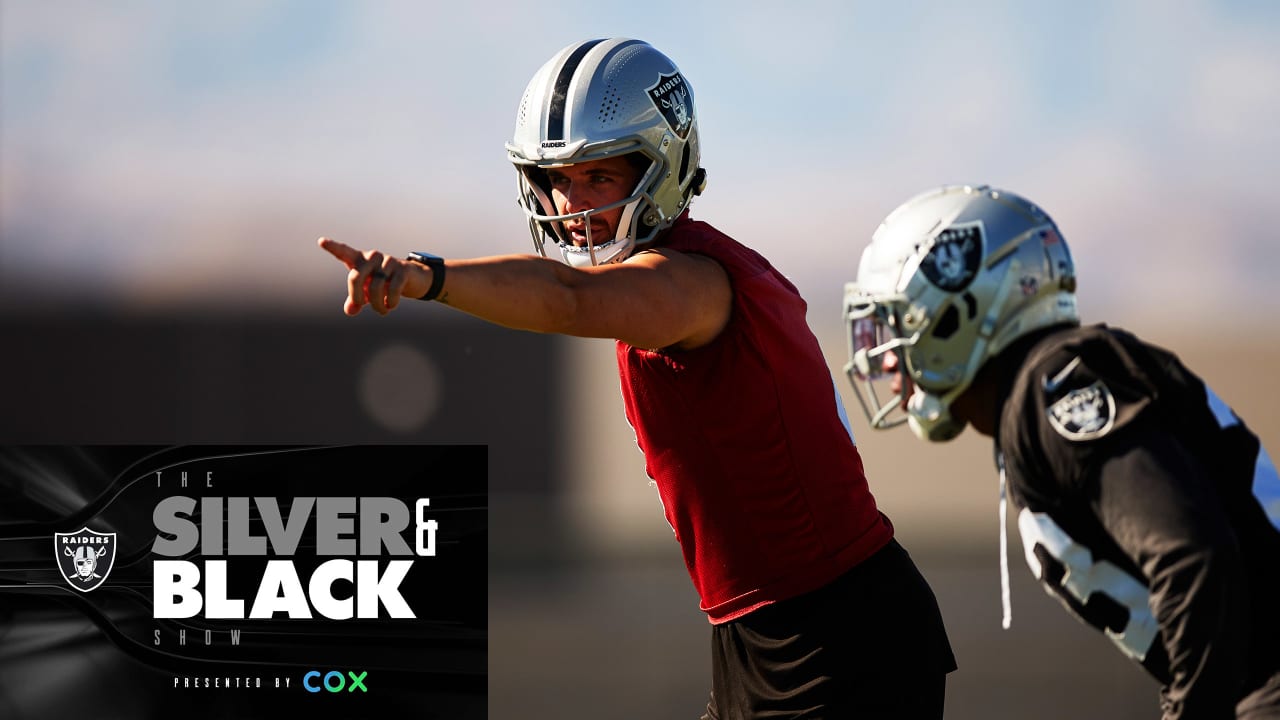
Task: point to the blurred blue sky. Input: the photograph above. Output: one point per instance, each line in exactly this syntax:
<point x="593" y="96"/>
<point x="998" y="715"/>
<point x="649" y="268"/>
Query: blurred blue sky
<point x="175" y="153"/>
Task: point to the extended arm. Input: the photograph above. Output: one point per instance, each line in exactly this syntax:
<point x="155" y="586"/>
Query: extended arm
<point x="654" y="299"/>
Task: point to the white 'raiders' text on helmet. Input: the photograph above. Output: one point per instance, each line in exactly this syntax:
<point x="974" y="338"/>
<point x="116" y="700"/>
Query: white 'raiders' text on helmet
<point x="949" y="280"/>
<point x="605" y="98"/>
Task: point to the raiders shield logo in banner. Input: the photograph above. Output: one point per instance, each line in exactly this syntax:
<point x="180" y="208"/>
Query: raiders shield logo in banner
<point x="85" y="557"/>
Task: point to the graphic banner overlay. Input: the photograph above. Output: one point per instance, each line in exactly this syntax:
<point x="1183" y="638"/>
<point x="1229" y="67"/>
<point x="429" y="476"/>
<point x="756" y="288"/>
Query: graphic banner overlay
<point x="212" y="581"/>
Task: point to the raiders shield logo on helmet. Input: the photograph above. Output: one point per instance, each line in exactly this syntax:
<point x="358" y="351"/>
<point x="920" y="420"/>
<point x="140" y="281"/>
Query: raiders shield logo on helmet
<point x="670" y="95"/>
<point x="953" y="261"/>
<point x="85" y="557"/>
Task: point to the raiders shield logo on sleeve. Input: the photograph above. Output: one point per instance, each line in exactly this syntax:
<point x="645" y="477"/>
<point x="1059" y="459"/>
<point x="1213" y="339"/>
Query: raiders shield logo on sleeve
<point x="85" y="557"/>
<point x="1084" y="413"/>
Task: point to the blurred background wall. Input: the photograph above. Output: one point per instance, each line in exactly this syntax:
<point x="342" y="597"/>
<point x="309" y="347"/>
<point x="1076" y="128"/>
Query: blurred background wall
<point x="165" y="169"/>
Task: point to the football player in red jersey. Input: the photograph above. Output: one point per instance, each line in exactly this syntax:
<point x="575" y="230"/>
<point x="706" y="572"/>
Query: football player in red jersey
<point x="1145" y="504"/>
<point x="816" y="610"/>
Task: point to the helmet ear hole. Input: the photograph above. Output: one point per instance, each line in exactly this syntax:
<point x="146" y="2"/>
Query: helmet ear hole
<point x="971" y="303"/>
<point x="948" y="324"/>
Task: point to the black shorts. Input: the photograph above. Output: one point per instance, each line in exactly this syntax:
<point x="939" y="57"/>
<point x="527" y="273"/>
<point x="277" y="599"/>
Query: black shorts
<point x="871" y="644"/>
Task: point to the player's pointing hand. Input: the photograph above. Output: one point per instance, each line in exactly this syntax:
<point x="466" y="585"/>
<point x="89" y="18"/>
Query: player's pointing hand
<point x="377" y="279"/>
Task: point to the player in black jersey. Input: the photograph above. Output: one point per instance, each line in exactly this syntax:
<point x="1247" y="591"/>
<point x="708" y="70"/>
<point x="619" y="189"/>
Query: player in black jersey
<point x="1145" y="504"/>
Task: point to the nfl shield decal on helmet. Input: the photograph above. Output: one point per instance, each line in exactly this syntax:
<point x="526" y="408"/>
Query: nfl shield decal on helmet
<point x="670" y="95"/>
<point x="85" y="557"/>
<point x="953" y="260"/>
<point x="1084" y="413"/>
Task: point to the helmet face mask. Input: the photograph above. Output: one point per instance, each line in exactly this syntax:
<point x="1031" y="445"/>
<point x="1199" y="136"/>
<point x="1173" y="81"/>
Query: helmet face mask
<point x="876" y="361"/>
<point x="599" y="99"/>
<point x="950" y="279"/>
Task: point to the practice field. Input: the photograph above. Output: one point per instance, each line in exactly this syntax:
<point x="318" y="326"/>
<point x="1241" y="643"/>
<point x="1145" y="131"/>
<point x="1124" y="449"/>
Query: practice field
<point x="624" y="638"/>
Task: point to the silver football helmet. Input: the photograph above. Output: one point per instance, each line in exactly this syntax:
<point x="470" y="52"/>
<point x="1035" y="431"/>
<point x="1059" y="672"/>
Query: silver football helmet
<point x="602" y="98"/>
<point x="950" y="278"/>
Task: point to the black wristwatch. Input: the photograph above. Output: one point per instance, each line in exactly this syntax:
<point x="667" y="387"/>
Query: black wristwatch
<point x="436" y="263"/>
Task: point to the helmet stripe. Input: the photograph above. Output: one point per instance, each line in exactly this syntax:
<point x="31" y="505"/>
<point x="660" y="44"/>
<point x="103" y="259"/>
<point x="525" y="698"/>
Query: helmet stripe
<point x="559" y="93"/>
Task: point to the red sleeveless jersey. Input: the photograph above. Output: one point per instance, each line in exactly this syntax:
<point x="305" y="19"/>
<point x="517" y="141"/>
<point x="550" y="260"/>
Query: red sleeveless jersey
<point x="757" y="471"/>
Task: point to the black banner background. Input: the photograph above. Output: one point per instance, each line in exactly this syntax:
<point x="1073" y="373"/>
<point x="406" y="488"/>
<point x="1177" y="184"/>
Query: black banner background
<point x="101" y="654"/>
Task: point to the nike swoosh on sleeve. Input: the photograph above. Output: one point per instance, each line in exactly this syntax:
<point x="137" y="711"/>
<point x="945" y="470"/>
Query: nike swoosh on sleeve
<point x="1052" y="384"/>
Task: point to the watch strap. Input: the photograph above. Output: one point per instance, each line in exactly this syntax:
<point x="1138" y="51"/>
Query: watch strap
<point x="436" y="263"/>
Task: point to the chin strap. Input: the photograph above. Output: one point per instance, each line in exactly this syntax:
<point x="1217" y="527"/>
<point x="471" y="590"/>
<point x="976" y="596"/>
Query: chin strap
<point x="1006" y="599"/>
